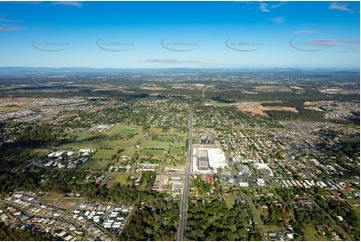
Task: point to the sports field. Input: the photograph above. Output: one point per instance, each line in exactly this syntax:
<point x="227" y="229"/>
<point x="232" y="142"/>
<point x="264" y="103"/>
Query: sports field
<point x="124" y="140"/>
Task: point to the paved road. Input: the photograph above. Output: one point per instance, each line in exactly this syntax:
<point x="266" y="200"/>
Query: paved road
<point x="230" y="163"/>
<point x="338" y="228"/>
<point x="184" y="200"/>
<point x="255" y="215"/>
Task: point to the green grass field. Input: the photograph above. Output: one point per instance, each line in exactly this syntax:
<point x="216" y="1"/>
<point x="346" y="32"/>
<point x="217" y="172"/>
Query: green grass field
<point x="164" y="138"/>
<point x="69" y="203"/>
<point x="178" y="145"/>
<point x="106" y="149"/>
<point x="152" y="144"/>
<point x="121" y="179"/>
<point x="229" y="201"/>
<point x="271" y="228"/>
<point x="95" y="165"/>
<point x="155" y="130"/>
<point x="311" y="234"/>
<point x="262" y="211"/>
<point x="122" y="129"/>
<point x="51" y="198"/>
<point x="127" y="145"/>
<point x="127" y="131"/>
<point x="80" y="145"/>
<point x="103" y="155"/>
<point x="171" y="132"/>
<point x="153" y="152"/>
<point x="356" y="206"/>
<point x="56" y="199"/>
<point x="177" y="151"/>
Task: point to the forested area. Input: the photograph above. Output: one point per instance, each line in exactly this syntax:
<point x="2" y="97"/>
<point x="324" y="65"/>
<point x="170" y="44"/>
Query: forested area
<point x="154" y="220"/>
<point x="215" y="221"/>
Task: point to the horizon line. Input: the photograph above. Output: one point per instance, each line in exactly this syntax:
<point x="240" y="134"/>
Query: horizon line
<point x="240" y="67"/>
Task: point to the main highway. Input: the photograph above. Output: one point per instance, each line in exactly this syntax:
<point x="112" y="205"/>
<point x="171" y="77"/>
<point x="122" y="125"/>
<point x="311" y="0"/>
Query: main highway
<point x="184" y="199"/>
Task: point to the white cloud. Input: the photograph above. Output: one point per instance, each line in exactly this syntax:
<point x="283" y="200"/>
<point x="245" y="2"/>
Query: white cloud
<point x="333" y="43"/>
<point x="8" y="25"/>
<point x="278" y="5"/>
<point x="68" y="3"/>
<point x="339" y="6"/>
<point x="263" y="7"/>
<point x="304" y="31"/>
<point x="278" y="20"/>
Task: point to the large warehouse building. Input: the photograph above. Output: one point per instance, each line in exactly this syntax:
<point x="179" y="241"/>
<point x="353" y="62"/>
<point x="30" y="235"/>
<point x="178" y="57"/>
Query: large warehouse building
<point x="208" y="160"/>
<point x="202" y="160"/>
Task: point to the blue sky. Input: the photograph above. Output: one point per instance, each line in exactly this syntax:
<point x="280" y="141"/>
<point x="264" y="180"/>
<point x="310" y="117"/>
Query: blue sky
<point x="180" y="34"/>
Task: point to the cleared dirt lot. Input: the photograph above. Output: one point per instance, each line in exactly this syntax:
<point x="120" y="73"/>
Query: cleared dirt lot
<point x="259" y="109"/>
<point x="273" y="89"/>
<point x="310" y="103"/>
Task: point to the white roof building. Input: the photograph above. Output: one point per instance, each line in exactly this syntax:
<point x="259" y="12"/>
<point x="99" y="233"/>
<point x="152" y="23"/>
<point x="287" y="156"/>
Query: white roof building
<point x="216" y="159"/>
<point x="260" y="182"/>
<point x="56" y="154"/>
<point x="243" y="184"/>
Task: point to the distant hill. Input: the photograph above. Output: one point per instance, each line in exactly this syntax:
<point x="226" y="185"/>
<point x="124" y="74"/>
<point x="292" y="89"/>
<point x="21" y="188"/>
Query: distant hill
<point x="22" y="71"/>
